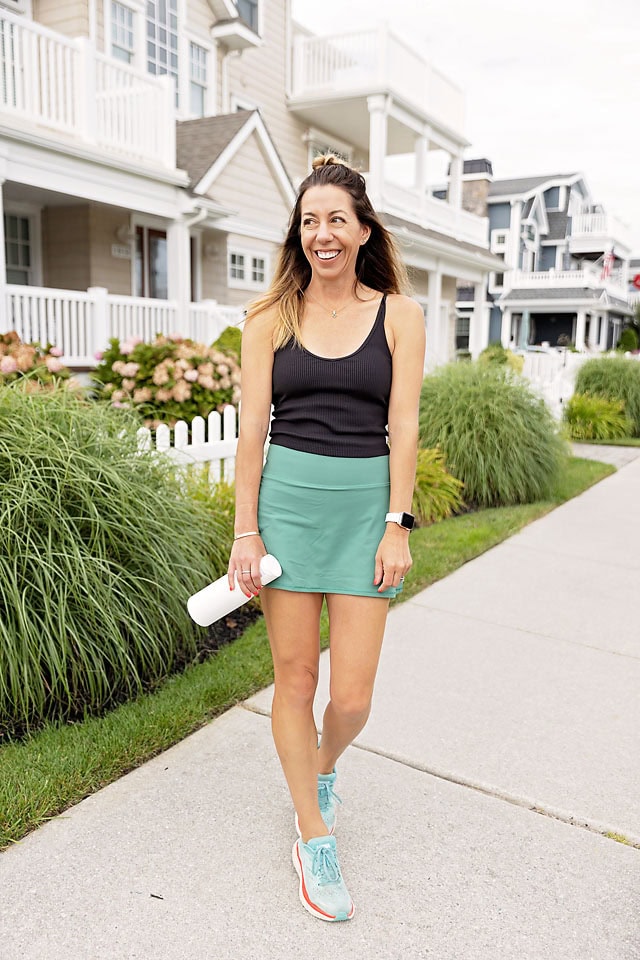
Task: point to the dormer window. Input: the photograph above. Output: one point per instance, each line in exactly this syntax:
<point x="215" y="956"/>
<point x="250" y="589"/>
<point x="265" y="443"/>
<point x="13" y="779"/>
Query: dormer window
<point x="248" y="11"/>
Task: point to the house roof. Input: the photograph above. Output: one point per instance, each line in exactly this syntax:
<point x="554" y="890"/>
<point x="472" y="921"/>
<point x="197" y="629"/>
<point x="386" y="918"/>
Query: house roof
<point x="558" y="223"/>
<point x="200" y="142"/>
<point x="566" y="293"/>
<point x="393" y="221"/>
<point x="507" y="188"/>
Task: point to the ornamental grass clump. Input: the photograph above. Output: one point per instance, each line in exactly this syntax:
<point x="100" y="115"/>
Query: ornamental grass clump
<point x="596" y="418"/>
<point x="31" y="363"/>
<point x="615" y="378"/>
<point x="168" y="379"/>
<point x="436" y="495"/>
<point x="99" y="551"/>
<point x="498" y="438"/>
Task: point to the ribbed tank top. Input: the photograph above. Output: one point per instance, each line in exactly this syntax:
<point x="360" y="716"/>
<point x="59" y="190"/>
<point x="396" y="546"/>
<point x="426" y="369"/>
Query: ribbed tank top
<point x="336" y="407"/>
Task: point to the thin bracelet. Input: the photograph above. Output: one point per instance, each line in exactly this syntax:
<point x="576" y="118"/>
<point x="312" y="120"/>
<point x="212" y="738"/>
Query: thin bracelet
<point x="251" y="533"/>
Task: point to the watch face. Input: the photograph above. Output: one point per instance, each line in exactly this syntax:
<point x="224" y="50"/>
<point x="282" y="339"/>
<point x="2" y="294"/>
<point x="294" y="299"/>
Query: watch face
<point x="407" y="521"/>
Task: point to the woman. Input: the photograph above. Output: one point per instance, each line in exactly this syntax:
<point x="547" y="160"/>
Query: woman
<point x="338" y="350"/>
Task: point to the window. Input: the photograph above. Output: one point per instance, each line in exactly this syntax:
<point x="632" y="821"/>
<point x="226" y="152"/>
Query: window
<point x="498" y="241"/>
<point x="162" y="37"/>
<point x="462" y="332"/>
<point x="248" y="270"/>
<point x="248" y="11"/>
<point x="122" y="33"/>
<point x="151" y="263"/>
<point x="17" y="248"/>
<point x="197" y="79"/>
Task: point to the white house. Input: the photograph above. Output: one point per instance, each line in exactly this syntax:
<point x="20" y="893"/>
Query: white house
<point x="150" y="149"/>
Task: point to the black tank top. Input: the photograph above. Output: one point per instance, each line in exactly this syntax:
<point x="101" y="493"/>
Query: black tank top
<point x="337" y="407"/>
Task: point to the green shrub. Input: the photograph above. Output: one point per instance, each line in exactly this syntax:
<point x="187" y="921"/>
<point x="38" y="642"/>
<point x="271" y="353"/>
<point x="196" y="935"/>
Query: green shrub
<point x="596" y="418"/>
<point x="166" y="380"/>
<point x="436" y="494"/>
<point x="230" y="342"/>
<point x="99" y="551"/>
<point x="499" y="439"/>
<point x="628" y="341"/>
<point x="615" y="378"/>
<point x="496" y="353"/>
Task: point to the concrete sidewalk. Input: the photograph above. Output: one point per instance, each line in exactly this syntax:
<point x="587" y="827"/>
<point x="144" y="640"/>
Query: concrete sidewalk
<point x="501" y="753"/>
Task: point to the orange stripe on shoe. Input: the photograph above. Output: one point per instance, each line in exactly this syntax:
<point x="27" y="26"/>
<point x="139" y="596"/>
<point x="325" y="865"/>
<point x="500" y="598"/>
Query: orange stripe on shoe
<point x="304" y="889"/>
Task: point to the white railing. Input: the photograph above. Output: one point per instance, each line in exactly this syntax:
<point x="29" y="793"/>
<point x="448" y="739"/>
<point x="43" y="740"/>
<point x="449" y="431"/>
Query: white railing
<point x="601" y="225"/>
<point x="434" y="214"/>
<point x="373" y="61"/>
<point x="214" y="441"/>
<point x="590" y="277"/>
<point x="62" y="85"/>
<point x="552" y="376"/>
<point x="81" y="323"/>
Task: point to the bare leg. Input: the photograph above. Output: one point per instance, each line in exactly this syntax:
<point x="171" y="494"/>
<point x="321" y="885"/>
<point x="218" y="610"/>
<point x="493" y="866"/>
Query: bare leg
<point x="293" y="625"/>
<point x="356" y="630"/>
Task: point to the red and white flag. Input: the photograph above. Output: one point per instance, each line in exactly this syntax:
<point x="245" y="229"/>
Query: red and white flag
<point x="607" y="264"/>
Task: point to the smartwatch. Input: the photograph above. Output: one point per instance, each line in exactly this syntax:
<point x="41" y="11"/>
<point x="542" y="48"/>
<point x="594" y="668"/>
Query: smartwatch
<point x="404" y="520"/>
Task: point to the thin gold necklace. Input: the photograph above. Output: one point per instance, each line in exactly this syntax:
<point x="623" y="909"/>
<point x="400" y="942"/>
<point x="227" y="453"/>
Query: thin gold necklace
<point x="333" y="313"/>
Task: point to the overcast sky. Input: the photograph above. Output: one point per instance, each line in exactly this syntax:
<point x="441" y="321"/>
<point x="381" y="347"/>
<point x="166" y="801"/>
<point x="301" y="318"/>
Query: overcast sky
<point x="551" y="86"/>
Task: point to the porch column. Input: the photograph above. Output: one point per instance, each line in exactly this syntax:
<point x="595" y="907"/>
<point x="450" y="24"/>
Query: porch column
<point x="422" y="165"/>
<point x="478" y="322"/>
<point x="378" y="109"/>
<point x="505" y="333"/>
<point x="581" y="325"/>
<point x="455" y="181"/>
<point x="179" y="271"/>
<point x="604" y="329"/>
<point x="436" y="336"/>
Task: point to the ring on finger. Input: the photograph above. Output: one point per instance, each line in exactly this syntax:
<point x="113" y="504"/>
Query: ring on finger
<point x="245" y="571"/>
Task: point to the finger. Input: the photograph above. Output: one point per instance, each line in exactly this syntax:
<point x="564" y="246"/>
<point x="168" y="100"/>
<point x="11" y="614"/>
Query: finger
<point x="231" y="576"/>
<point x="378" y="573"/>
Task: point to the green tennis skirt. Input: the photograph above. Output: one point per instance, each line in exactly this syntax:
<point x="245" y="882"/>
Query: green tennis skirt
<point x="323" y="518"/>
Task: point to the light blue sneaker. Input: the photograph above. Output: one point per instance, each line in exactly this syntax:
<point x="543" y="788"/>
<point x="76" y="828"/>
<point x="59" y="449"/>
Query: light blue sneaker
<point x="322" y="890"/>
<point x="327" y="800"/>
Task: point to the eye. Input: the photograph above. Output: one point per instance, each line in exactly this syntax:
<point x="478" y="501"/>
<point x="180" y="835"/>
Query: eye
<point x="307" y="222"/>
<point x="338" y="219"/>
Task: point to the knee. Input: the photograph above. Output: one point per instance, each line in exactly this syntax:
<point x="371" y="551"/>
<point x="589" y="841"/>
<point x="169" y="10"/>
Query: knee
<point x="296" y="684"/>
<point x="353" y="704"/>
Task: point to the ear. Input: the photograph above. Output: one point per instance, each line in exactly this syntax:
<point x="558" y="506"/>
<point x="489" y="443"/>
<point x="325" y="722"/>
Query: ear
<point x="365" y="233"/>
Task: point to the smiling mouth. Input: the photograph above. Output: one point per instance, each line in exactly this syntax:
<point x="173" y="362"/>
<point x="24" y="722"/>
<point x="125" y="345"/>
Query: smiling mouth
<point x="326" y="254"/>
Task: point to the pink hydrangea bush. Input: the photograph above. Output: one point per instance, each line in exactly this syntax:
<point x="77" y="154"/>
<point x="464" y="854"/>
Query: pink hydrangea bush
<point x="31" y="363"/>
<point x="167" y="380"/>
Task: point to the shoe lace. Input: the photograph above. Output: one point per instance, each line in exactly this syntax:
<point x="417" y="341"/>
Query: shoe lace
<point x="325" y="866"/>
<point x="327" y="796"/>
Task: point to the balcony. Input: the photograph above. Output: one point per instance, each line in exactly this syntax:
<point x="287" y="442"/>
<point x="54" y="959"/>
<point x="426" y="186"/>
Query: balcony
<point x="62" y="89"/>
<point x="349" y="67"/>
<point x="433" y="214"/>
<point x="598" y="232"/>
<point x="589" y="277"/>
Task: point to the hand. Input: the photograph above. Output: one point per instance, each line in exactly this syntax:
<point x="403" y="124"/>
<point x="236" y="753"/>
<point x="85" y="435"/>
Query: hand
<point x="244" y="563"/>
<point x="393" y="558"/>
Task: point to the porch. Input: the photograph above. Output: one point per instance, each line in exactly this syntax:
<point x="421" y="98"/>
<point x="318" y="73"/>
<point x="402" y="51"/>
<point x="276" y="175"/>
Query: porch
<point x="81" y="323"/>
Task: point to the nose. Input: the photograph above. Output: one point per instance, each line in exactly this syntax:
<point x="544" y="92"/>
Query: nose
<point x="324" y="232"/>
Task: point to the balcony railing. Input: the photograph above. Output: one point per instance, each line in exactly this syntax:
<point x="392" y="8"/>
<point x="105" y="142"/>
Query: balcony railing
<point x="439" y="215"/>
<point x="601" y="226"/>
<point x="590" y="277"/>
<point x="65" y="87"/>
<point x="372" y="61"/>
<point x="81" y="323"/>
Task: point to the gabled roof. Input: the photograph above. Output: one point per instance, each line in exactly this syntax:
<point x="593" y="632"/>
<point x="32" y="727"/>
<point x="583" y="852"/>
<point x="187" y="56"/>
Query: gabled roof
<point x="558" y="222"/>
<point x="205" y="147"/>
<point x="524" y="185"/>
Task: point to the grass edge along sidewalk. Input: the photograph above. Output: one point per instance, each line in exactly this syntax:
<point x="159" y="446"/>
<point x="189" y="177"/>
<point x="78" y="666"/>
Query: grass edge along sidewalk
<point x="60" y="765"/>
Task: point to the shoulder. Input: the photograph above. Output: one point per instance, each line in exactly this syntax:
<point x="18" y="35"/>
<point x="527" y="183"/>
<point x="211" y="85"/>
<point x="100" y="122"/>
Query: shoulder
<point x="259" y="325"/>
<point x="404" y="320"/>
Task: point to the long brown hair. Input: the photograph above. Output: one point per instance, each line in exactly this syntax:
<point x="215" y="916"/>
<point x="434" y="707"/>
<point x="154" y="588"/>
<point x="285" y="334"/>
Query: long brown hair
<point x="378" y="264"/>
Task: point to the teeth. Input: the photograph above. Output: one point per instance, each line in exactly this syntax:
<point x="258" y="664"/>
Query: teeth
<point x="327" y="254"/>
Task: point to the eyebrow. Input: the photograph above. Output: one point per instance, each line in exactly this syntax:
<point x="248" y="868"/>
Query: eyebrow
<point x="310" y="213"/>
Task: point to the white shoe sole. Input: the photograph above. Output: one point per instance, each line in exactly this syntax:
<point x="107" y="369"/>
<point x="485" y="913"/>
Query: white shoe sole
<point x="309" y="907"/>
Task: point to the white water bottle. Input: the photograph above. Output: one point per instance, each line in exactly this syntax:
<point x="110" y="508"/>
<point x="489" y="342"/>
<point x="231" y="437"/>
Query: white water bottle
<point x="216" y="600"/>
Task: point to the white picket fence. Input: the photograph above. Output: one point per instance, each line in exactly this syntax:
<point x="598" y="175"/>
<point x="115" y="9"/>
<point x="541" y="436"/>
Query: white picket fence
<point x="213" y="441"/>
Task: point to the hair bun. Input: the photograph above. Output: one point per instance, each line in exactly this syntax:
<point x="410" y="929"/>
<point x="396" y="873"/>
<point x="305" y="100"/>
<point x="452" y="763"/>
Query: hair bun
<point x="327" y="160"/>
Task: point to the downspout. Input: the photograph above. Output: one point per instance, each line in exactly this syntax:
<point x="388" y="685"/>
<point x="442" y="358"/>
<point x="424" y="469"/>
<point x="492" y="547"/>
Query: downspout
<point x="224" y="93"/>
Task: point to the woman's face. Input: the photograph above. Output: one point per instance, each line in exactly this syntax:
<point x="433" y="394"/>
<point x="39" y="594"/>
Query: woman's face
<point x="330" y="231"/>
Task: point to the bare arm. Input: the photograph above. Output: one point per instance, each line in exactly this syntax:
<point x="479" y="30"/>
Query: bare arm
<point x="406" y="320"/>
<point x="255" y="412"/>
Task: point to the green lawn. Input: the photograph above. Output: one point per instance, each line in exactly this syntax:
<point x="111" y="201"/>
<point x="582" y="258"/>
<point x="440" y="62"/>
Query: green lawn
<point x="58" y="766"/>
<point x="619" y="442"/>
